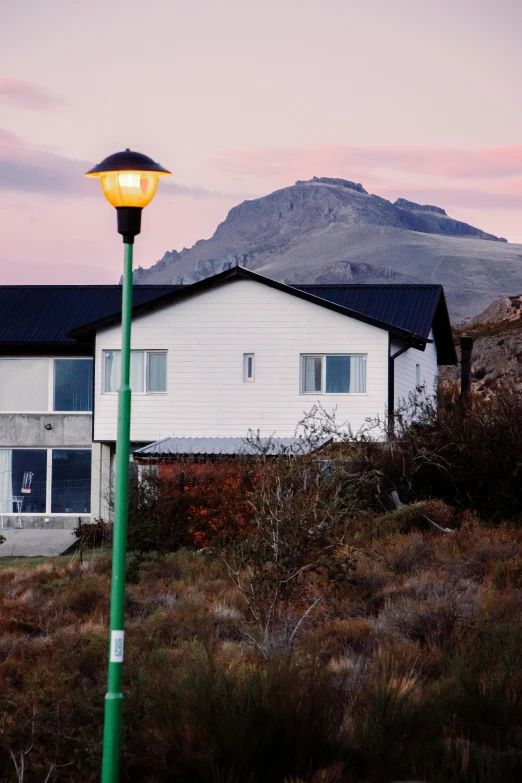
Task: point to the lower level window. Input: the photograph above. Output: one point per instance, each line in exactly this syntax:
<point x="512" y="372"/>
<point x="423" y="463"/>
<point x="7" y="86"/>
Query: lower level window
<point x="333" y="374"/>
<point x="24" y="488"/>
<point x="23" y="481"/>
<point x="71" y="482"/>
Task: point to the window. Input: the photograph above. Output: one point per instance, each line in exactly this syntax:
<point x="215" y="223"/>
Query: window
<point x="417" y="375"/>
<point x="23" y="481"/>
<point x="73" y="384"/>
<point x="71" y="482"/>
<point x="148" y="371"/>
<point x="312" y="374"/>
<point x="24" y="485"/>
<point x="24" y="384"/>
<point x="329" y="374"/>
<point x="248" y="368"/>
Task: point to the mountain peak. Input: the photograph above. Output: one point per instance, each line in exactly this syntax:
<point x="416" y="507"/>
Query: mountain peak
<point x="331" y="229"/>
<point x="336" y="182"/>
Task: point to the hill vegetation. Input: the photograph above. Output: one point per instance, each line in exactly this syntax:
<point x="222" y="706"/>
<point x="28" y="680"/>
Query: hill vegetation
<point x="320" y="635"/>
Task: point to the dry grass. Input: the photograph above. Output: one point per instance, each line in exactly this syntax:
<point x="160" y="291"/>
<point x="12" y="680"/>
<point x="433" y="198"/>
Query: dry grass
<point x="409" y="667"/>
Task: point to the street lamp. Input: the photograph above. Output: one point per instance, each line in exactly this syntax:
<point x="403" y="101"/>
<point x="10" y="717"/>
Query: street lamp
<point x="129" y="181"/>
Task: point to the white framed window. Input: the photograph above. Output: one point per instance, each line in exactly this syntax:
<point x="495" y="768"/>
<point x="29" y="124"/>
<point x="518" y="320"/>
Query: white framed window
<point x="333" y="373"/>
<point x="417" y="375"/>
<point x="148" y="372"/>
<point x="249" y="369"/>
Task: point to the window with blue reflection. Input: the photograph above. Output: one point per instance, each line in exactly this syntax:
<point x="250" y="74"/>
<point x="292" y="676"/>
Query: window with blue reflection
<point x="346" y="374"/>
<point x="71" y="481"/>
<point x="28" y="481"/>
<point x="73" y="384"/>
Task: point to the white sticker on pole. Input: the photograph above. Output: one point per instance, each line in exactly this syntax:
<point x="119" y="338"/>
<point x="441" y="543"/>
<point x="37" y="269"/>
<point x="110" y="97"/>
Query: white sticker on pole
<point x="117" y="646"/>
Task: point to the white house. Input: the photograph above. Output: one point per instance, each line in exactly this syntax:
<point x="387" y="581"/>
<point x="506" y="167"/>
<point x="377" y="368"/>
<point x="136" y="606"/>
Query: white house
<point x="239" y="352"/>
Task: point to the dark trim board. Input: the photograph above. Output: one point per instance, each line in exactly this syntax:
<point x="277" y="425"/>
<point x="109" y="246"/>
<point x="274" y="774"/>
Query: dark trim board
<point x="391" y="383"/>
<point x="47" y="349"/>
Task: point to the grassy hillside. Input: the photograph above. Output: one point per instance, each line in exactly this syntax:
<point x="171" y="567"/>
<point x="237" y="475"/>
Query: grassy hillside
<point x="318" y="637"/>
<point x="409" y="668"/>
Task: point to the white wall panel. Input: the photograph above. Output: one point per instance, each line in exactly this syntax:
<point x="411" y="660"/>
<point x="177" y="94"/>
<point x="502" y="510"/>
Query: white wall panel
<point x="206" y="336"/>
<point x="405" y="370"/>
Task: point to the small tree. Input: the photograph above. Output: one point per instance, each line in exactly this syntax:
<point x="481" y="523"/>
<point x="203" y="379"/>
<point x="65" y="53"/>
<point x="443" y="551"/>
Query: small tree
<point x="301" y="505"/>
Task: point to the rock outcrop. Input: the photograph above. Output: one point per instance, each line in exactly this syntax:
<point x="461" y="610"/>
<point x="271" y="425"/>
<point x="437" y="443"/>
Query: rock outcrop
<point x="402" y="202"/>
<point x="497" y="349"/>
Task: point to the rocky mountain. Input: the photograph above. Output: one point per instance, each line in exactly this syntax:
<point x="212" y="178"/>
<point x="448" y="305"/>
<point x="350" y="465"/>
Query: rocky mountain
<point x="497" y="348"/>
<point x="333" y="230"/>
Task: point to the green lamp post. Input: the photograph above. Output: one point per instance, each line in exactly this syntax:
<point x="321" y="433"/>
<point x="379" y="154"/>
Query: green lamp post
<point x="129" y="181"/>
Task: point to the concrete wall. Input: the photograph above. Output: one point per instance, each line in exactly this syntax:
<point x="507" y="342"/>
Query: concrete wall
<point x="43" y="521"/>
<point x="101" y="481"/>
<point x="27" y="430"/>
<point x="206" y="336"/>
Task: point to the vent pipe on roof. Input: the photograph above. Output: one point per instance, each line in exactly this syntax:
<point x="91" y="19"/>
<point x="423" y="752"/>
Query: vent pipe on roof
<point x="466" y="346"/>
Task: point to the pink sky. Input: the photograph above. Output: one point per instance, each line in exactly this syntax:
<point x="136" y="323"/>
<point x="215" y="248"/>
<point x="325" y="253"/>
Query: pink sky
<point x="412" y="98"/>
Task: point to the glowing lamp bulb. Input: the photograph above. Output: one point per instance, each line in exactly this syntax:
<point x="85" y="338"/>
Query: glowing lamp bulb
<point x="128" y="179"/>
<point x="129" y="188"/>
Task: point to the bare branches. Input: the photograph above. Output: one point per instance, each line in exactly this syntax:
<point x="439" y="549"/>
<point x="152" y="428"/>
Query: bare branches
<point x="312" y="606"/>
<point x="19" y="757"/>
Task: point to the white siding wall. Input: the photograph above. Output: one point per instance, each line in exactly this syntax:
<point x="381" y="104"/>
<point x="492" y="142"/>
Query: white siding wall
<point x="405" y="370"/>
<point x="206" y="336"/>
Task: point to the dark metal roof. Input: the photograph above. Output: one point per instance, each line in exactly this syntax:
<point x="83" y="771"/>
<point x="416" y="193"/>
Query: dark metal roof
<point x="41" y="315"/>
<point x="413" y="308"/>
<point x="407" y="312"/>
<point x="226" y="446"/>
<point x="409" y="307"/>
<point x="240" y="273"/>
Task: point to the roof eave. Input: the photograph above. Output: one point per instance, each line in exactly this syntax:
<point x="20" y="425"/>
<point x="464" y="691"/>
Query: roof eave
<point x="241" y="273"/>
<point x="441" y="325"/>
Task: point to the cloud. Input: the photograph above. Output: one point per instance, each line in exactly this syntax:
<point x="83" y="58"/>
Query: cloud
<point x="26" y="95"/>
<point x="201" y="193"/>
<point x="452" y="163"/>
<point x="27" y="169"/>
<point x="30" y="170"/>
<point x="456" y="197"/>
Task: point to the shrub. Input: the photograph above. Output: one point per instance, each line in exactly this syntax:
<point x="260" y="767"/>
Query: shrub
<point x="188" y="504"/>
<point x="465" y="451"/>
<point x="484" y="689"/>
<point x="239" y="723"/>
<point x="391" y="722"/>
<point x="299" y="516"/>
<point x="95" y="534"/>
